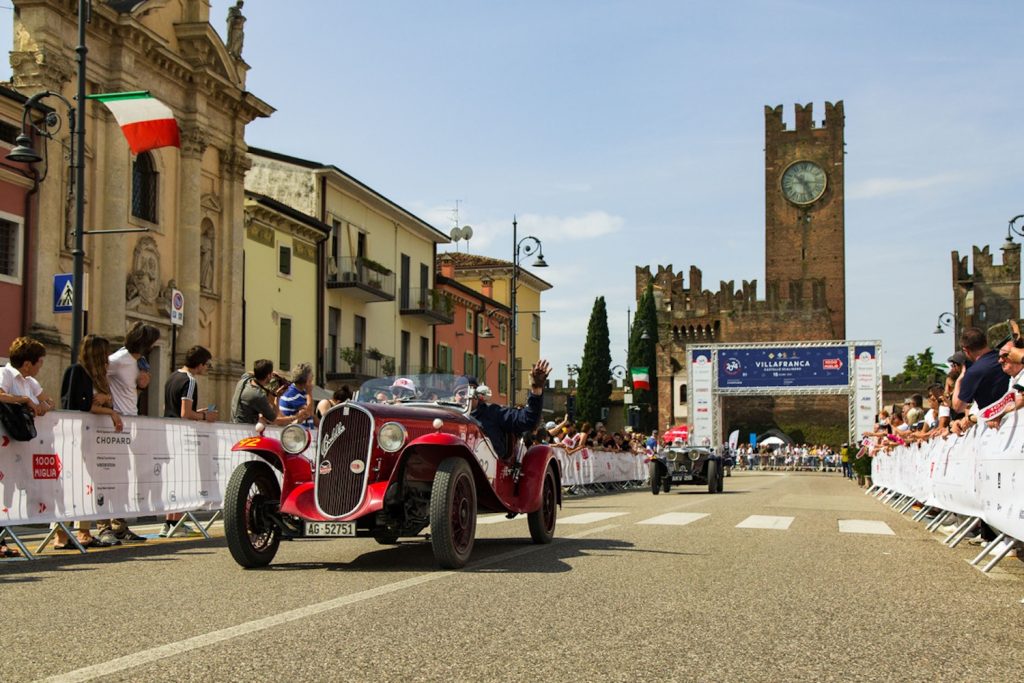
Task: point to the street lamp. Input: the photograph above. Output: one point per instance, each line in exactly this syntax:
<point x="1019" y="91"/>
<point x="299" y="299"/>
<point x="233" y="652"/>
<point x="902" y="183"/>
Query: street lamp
<point x="617" y="372"/>
<point x="23" y="153"/>
<point x="1012" y="228"/>
<point x="944" y="322"/>
<point x="529" y="245"/>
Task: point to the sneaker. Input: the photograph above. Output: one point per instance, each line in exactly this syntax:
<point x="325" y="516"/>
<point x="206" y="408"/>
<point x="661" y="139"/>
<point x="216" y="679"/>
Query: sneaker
<point x="129" y="536"/>
<point x="976" y="540"/>
<point x="166" y="531"/>
<point x="108" y="537"/>
<point x="946" y="529"/>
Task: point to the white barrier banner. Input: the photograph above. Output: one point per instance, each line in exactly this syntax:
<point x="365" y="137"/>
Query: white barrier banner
<point x="79" y="468"/>
<point x="589" y="466"/>
<point x="979" y="474"/>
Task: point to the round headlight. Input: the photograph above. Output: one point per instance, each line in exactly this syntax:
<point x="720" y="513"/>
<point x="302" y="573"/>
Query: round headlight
<point x="294" y="439"/>
<point x="694" y="455"/>
<point x="391" y="437"/>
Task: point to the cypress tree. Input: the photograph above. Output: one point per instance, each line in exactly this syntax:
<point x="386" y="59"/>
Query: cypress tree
<point x="593" y="389"/>
<point x="642" y="354"/>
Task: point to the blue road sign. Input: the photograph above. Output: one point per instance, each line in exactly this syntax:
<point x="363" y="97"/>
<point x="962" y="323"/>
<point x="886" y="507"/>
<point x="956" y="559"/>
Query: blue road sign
<point x="63" y="292"/>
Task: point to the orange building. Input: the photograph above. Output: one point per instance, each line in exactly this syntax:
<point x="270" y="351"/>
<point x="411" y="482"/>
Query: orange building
<point x="477" y="343"/>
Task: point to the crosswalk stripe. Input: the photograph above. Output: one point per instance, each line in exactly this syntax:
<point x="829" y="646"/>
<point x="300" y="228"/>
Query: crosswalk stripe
<point x="865" y="526"/>
<point x="492" y="519"/>
<point x="590" y="517"/>
<point x="765" y="522"/>
<point x="675" y="518"/>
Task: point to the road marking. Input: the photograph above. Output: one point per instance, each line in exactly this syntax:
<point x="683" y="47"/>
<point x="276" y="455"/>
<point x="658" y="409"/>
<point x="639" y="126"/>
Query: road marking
<point x="765" y="522"/>
<point x="590" y="517"/>
<point x="113" y="666"/>
<point x="493" y="519"/>
<point x="675" y="518"/>
<point x="865" y="526"/>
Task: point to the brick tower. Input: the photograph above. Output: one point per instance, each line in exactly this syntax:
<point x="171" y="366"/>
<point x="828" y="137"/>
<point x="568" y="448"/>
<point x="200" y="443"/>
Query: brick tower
<point x="804" y="214"/>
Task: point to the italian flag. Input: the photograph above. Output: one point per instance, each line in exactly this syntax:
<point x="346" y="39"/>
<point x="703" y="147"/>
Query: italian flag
<point x="147" y="123"/>
<point x="641" y="380"/>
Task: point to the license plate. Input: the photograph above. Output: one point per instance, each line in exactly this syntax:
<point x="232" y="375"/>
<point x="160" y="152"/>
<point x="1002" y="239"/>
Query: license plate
<point x="687" y="477"/>
<point x="330" y="529"/>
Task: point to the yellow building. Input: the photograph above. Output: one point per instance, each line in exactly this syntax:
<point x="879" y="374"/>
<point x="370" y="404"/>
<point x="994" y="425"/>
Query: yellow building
<point x="282" y="293"/>
<point x="493" y="277"/>
<point x="190" y="200"/>
<point x="379" y="303"/>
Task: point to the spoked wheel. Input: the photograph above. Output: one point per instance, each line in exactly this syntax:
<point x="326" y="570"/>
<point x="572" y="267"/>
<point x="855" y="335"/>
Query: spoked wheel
<point x="453" y="513"/>
<point x="542" y="521"/>
<point x="252" y="536"/>
<point x="655" y="478"/>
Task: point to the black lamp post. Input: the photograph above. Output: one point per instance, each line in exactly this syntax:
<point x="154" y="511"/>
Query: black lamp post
<point x="24" y="153"/>
<point x="1012" y="228"/>
<point x="944" y="322"/>
<point x="617" y="372"/>
<point x="529" y="245"/>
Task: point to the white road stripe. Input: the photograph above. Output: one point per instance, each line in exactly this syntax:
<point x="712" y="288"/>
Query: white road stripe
<point x="765" y="522"/>
<point x="675" y="518"/>
<point x="865" y="526"/>
<point x="181" y="647"/>
<point x="590" y="517"/>
<point x="494" y="519"/>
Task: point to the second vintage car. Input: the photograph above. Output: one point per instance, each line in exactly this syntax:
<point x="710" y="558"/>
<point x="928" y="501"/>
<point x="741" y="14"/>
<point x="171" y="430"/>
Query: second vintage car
<point x="679" y="464"/>
<point x="403" y="455"/>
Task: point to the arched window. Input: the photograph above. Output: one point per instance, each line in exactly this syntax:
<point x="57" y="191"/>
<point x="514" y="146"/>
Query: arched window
<point x="144" y="188"/>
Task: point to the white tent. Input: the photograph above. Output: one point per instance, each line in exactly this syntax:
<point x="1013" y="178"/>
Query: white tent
<point x="772" y="441"/>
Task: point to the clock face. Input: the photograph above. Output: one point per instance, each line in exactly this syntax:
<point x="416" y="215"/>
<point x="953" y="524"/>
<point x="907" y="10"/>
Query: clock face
<point x="803" y="182"/>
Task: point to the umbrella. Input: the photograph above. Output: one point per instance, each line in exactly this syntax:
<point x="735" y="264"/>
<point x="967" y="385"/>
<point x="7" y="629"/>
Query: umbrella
<point x="679" y="432"/>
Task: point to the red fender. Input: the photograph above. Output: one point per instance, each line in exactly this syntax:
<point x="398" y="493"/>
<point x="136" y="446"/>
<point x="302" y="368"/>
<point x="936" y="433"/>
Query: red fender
<point x="531" y="482"/>
<point x="295" y="469"/>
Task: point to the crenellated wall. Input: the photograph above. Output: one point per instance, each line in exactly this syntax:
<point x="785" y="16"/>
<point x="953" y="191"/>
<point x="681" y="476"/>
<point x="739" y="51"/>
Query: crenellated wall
<point x="990" y="293"/>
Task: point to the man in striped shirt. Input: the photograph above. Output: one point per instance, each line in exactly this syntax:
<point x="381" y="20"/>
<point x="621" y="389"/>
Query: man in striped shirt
<point x="297" y="400"/>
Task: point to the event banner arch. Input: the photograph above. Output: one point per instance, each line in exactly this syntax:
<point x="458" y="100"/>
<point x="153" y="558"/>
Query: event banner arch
<point x="825" y="368"/>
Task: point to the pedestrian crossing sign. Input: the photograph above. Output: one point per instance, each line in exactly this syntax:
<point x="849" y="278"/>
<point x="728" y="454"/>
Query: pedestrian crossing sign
<point x="63" y="292"/>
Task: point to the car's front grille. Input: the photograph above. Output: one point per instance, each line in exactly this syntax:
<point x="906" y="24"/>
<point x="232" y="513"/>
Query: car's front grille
<point x="341" y="466"/>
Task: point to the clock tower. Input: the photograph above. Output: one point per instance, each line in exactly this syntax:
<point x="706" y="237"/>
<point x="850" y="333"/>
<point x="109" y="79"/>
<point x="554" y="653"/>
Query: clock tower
<point x="804" y="214"/>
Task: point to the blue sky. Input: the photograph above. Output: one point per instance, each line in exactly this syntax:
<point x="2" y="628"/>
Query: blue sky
<point x="632" y="133"/>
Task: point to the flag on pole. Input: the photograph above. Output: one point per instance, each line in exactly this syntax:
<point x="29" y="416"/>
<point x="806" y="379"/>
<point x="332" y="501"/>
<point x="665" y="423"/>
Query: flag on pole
<point x="641" y="380"/>
<point x="147" y="123"/>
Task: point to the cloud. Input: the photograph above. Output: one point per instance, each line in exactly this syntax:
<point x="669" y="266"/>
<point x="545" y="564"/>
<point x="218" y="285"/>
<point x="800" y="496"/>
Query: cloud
<point x="880" y="187"/>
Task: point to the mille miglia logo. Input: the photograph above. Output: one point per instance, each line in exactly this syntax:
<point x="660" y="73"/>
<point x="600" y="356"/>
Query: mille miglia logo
<point x="332" y="437"/>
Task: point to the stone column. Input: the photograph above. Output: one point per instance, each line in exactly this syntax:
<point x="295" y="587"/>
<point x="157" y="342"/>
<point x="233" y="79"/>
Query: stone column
<point x="188" y="234"/>
<point x="230" y="251"/>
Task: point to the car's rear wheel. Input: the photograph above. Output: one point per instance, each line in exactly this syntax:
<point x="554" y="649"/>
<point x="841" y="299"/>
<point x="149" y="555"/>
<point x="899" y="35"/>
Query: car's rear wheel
<point x="655" y="478"/>
<point x="252" y="536"/>
<point x="542" y="520"/>
<point x="713" y="477"/>
<point x="453" y="513"/>
<point x="721" y="481"/>
<point x="666" y="483"/>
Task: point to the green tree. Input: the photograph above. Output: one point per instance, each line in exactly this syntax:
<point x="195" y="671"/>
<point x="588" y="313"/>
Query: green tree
<point x="642" y="354"/>
<point x="921" y="368"/>
<point x="593" y="389"/>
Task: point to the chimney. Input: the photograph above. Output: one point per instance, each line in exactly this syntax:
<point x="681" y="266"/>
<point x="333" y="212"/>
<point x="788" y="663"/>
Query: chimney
<point x="447" y="268"/>
<point x="487" y="287"/>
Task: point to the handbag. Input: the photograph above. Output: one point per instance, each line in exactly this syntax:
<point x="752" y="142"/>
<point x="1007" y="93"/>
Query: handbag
<point x="19" y="421"/>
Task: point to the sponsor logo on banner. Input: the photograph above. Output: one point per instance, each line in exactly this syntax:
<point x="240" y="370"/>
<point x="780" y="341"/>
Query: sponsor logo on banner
<point x="832" y="364"/>
<point x="45" y="466"/>
<point x="991" y="411"/>
<point x="733" y="366"/>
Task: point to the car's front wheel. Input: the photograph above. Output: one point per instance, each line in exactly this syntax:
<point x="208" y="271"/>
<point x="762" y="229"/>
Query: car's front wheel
<point x="453" y="513"/>
<point x="253" y="538"/>
<point x="542" y="521"/>
<point x="713" y="477"/>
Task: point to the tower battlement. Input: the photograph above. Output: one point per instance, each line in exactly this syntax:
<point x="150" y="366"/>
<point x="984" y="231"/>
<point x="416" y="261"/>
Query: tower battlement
<point x="834" y="117"/>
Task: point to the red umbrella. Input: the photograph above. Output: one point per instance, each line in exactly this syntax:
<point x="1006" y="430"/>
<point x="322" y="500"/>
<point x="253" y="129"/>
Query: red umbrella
<point x="678" y="432"/>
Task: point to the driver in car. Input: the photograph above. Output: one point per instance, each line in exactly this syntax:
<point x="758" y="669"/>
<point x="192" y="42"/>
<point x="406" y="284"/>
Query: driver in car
<point x="503" y="425"/>
<point x="403" y="389"/>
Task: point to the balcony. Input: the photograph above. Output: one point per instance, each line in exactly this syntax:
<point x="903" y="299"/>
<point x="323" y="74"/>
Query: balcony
<point x="432" y="306"/>
<point x="362" y="279"/>
<point x="356" y="365"/>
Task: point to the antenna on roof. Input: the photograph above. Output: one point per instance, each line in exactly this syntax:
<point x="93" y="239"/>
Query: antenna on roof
<point x="460" y="233"/>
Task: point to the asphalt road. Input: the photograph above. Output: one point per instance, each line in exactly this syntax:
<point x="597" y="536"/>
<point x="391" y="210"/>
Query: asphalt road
<point x="614" y="598"/>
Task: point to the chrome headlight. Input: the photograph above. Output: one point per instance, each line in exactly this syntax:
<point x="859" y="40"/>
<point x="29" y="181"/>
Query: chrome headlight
<point x="391" y="437"/>
<point x="294" y="439"/>
<point x="695" y="455"/>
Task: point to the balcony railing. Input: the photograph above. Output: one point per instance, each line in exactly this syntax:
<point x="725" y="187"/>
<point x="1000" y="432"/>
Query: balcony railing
<point x="356" y="364"/>
<point x="365" y="279"/>
<point x="430" y="305"/>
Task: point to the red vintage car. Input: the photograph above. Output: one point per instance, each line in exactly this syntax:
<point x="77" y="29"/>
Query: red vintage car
<point x="403" y="455"/>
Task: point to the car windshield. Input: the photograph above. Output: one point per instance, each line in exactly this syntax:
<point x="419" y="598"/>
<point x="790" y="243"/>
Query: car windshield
<point x="442" y="389"/>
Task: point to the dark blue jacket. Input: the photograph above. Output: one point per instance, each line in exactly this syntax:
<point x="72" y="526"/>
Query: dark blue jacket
<point x="500" y="422"/>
